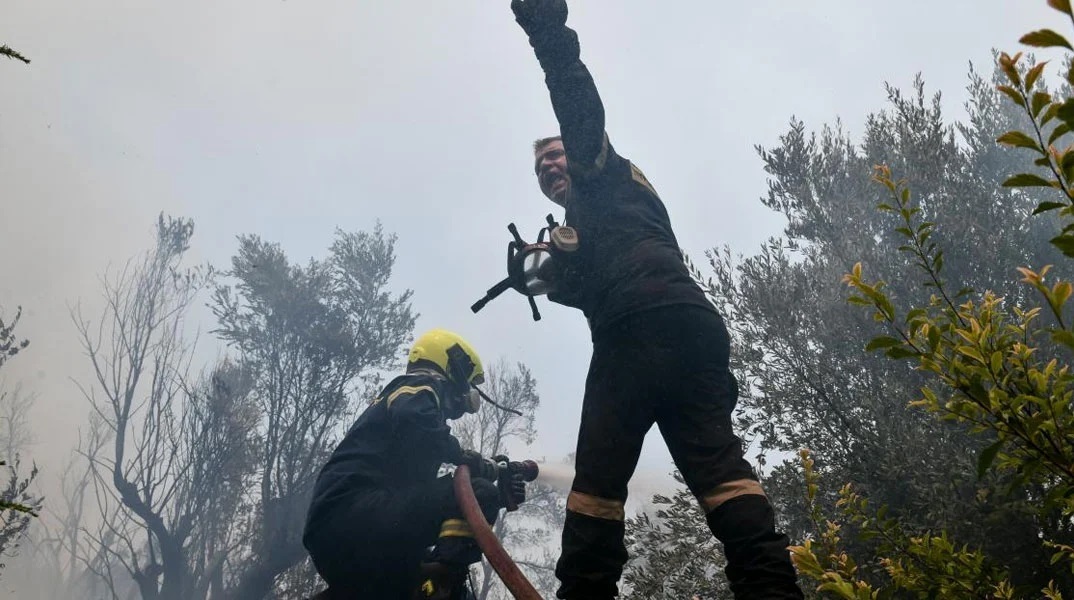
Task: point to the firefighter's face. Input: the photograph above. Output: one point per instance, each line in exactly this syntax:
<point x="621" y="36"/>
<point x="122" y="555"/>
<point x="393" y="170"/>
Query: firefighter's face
<point x="551" y="168"/>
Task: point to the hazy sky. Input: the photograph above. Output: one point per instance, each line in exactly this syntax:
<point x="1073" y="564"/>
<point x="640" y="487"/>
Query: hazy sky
<point x="290" y="118"/>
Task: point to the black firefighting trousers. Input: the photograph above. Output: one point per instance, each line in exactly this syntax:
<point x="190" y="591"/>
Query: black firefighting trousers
<point x="667" y="365"/>
<point x="370" y="544"/>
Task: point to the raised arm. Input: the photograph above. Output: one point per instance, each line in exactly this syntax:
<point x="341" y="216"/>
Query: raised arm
<point x="574" y="95"/>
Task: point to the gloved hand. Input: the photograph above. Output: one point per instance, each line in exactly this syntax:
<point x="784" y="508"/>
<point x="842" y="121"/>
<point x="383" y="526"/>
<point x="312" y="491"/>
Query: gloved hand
<point x="537" y="17"/>
<point x="488" y="497"/>
<point x="515" y="492"/>
<point x="480" y="467"/>
<point x="512" y="491"/>
<point x="454" y="554"/>
<point x="486" y="493"/>
<point x="544" y="21"/>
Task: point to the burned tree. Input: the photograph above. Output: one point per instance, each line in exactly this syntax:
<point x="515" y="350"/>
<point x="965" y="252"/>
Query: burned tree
<point x="199" y="484"/>
<point x="67" y="562"/>
<point x="18" y="505"/>
<point x="10" y="344"/>
<point x="168" y="459"/>
<point x="15" y="433"/>
<point x="221" y="437"/>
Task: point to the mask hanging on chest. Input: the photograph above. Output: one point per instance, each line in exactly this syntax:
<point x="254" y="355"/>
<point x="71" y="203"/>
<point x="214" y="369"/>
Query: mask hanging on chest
<point x="531" y="267"/>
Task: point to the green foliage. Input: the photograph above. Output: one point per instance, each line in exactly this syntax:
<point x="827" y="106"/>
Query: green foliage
<point x="823" y="559"/>
<point x="975" y="214"/>
<point x="798" y="350"/>
<point x="995" y="364"/>
<point x="673" y="554"/>
<point x="992" y="376"/>
<point x="926" y="565"/>
<point x="1047" y="115"/>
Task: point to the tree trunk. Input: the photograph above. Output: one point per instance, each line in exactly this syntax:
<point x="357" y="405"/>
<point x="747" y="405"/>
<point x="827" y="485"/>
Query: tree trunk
<point x="257" y="581"/>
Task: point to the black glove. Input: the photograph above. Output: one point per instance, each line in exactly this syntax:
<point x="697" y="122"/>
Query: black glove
<point x="480" y="467"/>
<point x="455" y="554"/>
<point x="544" y="21"/>
<point x="488" y="497"/>
<point x="515" y="491"/>
<point x="486" y="493"/>
<point x="538" y="17"/>
<point x="501" y="458"/>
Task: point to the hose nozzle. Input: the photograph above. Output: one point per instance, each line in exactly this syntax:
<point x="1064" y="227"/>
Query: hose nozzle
<point x="528" y="471"/>
<point x="527" y="468"/>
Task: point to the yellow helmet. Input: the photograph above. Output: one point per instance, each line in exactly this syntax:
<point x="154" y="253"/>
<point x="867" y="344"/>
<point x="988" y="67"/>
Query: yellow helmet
<point x="449" y="353"/>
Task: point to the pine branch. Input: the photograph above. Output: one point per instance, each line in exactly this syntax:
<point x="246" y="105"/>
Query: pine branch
<point x="8" y="52"/>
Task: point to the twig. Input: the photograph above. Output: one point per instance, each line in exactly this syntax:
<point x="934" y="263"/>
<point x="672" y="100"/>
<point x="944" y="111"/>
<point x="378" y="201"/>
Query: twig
<point x="8" y="52"/>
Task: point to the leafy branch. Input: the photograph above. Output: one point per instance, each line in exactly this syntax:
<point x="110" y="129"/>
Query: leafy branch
<point x="822" y="559"/>
<point x="992" y="362"/>
<point x="1042" y="109"/>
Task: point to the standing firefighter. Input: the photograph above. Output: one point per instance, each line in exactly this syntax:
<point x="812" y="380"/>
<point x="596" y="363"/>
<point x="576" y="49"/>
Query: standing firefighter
<point x="378" y="504"/>
<point x="660" y="348"/>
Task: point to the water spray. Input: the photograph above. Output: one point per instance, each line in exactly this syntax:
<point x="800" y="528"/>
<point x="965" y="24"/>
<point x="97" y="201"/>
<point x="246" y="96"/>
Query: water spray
<point x="557" y="476"/>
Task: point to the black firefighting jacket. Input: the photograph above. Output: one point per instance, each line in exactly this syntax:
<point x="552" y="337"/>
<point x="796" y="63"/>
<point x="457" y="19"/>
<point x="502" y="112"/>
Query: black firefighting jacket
<point x="378" y="503"/>
<point x="629" y="258"/>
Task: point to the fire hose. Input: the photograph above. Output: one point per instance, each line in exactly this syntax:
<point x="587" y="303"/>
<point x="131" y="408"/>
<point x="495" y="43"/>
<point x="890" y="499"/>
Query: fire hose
<point x="501" y="562"/>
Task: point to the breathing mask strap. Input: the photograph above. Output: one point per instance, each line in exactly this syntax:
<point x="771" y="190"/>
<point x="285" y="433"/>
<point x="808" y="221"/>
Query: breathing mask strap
<point x="493" y="402"/>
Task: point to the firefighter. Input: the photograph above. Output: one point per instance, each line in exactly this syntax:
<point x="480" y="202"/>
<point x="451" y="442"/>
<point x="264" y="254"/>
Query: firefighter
<point x="378" y="504"/>
<point x="660" y="348"/>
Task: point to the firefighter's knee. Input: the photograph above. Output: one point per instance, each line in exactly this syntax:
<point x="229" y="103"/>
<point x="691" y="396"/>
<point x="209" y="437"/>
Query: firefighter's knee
<point x="594" y="506"/>
<point x="714" y="498"/>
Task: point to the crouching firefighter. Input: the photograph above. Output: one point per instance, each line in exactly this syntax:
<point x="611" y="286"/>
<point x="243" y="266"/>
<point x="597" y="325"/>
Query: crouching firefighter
<point x="378" y="504"/>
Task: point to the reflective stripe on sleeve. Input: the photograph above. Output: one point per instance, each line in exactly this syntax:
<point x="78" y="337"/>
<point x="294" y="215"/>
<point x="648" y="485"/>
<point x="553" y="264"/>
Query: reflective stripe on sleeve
<point x="456" y="528"/>
<point x="411" y="390"/>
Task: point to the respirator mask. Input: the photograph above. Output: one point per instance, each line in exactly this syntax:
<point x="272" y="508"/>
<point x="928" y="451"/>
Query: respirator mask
<point x="530" y="267"/>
